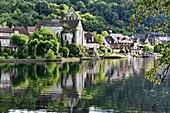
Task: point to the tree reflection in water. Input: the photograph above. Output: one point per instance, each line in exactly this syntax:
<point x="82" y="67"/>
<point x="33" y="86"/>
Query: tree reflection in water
<point x="104" y="85"/>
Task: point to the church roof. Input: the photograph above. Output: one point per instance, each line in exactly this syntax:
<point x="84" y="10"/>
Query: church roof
<point x="71" y="13"/>
<point x="58" y="23"/>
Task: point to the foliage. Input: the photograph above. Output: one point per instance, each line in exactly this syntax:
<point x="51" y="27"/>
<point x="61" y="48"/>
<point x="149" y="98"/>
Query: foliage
<point x="64" y="51"/>
<point x="74" y="50"/>
<point x="98" y="37"/>
<point x="50" y="55"/>
<point x="158" y="74"/>
<point x="147" y="48"/>
<point x="157" y="48"/>
<point x="19" y="40"/>
<point x="153" y="11"/>
<point x="96" y="15"/>
<point x="8" y="51"/>
<point x="5" y="55"/>
<point x="42" y="7"/>
<point x="43" y="41"/>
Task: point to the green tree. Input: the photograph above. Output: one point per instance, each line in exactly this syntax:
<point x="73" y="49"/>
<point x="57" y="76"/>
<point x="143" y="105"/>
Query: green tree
<point x="157" y="48"/>
<point x="80" y="5"/>
<point x="20" y="41"/>
<point x="42" y="7"/>
<point x="47" y="40"/>
<point x="147" y="48"/>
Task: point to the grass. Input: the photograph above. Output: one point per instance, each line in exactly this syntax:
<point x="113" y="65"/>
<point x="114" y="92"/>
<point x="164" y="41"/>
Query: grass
<point x="112" y="55"/>
<point x="70" y="59"/>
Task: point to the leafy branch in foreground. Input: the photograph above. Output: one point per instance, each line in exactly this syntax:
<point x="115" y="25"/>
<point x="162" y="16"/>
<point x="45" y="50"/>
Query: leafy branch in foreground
<point x="151" y="9"/>
<point x="158" y="74"/>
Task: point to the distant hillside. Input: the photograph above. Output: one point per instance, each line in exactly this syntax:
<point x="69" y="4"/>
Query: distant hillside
<point x="96" y="15"/>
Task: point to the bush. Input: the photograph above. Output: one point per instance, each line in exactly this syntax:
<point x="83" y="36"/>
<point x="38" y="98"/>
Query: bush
<point x="103" y="50"/>
<point x="22" y="52"/>
<point x="15" y="55"/>
<point x="64" y="51"/>
<point x="5" y="55"/>
<point x="109" y="50"/>
<point x="74" y="50"/>
<point x="33" y="56"/>
<point x="50" y="55"/>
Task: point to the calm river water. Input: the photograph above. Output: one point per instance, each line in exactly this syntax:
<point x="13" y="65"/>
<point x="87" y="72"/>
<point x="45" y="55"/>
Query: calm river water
<point x="104" y="86"/>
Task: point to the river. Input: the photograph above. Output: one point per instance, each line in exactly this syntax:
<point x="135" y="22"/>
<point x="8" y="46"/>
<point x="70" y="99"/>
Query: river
<point x="101" y="86"/>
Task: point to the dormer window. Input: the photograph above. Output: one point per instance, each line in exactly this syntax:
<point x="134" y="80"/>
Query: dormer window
<point x="124" y="38"/>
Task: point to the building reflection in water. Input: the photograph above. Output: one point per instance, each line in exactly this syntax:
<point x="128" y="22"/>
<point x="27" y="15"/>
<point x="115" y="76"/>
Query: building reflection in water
<point x="71" y="83"/>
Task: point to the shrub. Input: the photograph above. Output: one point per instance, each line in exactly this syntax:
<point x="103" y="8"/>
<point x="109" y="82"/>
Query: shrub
<point x="74" y="50"/>
<point x="50" y="55"/>
<point x="5" y="55"/>
<point x="103" y="50"/>
<point x="33" y="56"/>
<point x="15" y="55"/>
<point x="109" y="50"/>
<point x="64" y="51"/>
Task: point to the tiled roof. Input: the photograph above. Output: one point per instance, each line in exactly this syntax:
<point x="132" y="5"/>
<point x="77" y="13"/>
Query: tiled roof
<point x="58" y="23"/>
<point x="110" y="38"/>
<point x="31" y="28"/>
<point x="6" y="30"/>
<point x="88" y="35"/>
<point x="21" y="30"/>
<point x="4" y="37"/>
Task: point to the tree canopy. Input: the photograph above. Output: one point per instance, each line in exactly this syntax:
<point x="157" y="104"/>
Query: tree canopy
<point x="96" y="15"/>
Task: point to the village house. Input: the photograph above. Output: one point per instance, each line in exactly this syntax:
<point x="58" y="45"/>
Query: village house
<point x="118" y="42"/>
<point x="6" y="33"/>
<point x="125" y="42"/>
<point x="69" y="30"/>
<point x="111" y="41"/>
<point x="90" y="42"/>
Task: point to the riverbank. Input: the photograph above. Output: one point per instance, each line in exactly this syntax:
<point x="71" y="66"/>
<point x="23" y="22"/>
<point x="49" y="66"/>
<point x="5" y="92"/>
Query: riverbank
<point x="59" y="60"/>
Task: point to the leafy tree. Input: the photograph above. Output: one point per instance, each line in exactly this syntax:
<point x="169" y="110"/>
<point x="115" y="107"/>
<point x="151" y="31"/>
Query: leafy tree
<point x="47" y="40"/>
<point x="42" y="7"/>
<point x="147" y="48"/>
<point x="19" y="40"/>
<point x="99" y="38"/>
<point x="80" y="5"/>
<point x="32" y="47"/>
<point x="157" y="48"/>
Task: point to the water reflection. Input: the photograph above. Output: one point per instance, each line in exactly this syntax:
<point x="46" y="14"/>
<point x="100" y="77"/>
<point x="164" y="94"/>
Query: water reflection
<point x="98" y="86"/>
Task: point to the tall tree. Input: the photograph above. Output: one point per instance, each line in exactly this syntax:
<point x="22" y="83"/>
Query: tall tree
<point x="42" y="7"/>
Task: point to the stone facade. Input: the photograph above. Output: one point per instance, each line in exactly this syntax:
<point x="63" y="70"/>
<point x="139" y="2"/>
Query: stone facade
<point x="68" y="29"/>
